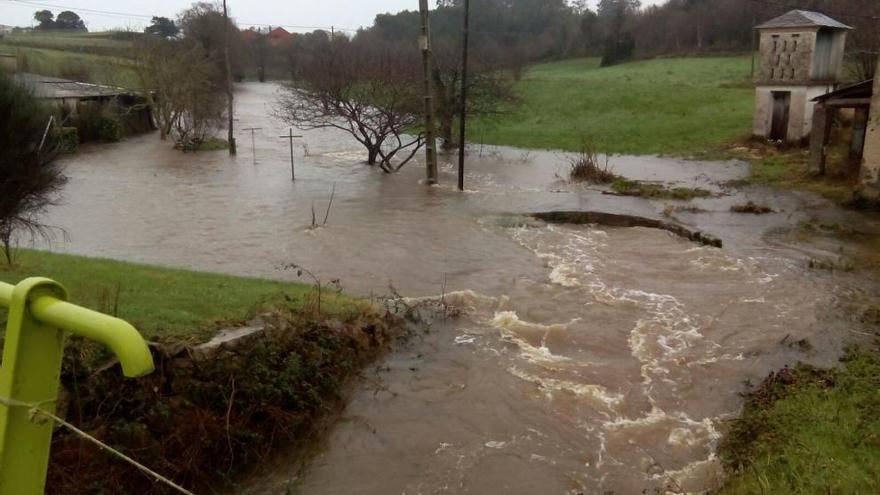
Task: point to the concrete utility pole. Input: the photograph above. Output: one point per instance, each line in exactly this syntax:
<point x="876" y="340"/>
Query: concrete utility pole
<point x="431" y="146"/>
<point x="290" y="137"/>
<point x="464" y="94"/>
<point x="229" y="97"/>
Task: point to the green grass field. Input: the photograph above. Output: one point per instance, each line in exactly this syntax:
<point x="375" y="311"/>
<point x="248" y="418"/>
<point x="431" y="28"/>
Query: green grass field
<point x="164" y="302"/>
<point x="815" y="431"/>
<point x="675" y="106"/>
<point x="92" y="57"/>
<point x="100" y="43"/>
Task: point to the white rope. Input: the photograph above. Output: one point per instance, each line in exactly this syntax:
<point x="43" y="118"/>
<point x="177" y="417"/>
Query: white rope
<point x="35" y="410"/>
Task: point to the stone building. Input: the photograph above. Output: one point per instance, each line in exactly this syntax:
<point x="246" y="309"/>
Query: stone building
<point x="800" y="58"/>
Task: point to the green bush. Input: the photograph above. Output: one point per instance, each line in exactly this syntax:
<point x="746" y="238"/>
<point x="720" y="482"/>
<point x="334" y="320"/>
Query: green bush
<point x="68" y="139"/>
<point x="109" y="129"/>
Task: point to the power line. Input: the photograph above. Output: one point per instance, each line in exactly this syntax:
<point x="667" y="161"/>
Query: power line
<point x="827" y="12"/>
<point x="129" y="15"/>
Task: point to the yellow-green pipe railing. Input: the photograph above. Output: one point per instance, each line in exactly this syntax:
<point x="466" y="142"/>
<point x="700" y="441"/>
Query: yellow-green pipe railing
<point x="30" y="373"/>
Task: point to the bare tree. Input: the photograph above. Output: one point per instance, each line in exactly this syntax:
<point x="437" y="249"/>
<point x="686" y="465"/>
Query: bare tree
<point x="490" y="87"/>
<point x="185" y="89"/>
<point x="370" y="91"/>
<point x="29" y="182"/>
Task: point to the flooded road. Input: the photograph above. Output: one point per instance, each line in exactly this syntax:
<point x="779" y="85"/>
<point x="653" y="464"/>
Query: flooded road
<point x="587" y="360"/>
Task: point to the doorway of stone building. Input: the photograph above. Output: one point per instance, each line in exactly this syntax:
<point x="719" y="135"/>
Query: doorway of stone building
<point x="781" y="110"/>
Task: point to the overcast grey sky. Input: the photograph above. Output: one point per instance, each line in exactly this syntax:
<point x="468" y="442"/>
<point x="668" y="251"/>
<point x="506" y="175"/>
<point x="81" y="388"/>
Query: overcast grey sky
<point x="345" y="14"/>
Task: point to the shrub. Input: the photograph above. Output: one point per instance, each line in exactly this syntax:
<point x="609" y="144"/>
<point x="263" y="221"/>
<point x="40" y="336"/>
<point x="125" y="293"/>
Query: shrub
<point x="585" y="166"/>
<point x="109" y="129"/>
<point x="68" y="139"/>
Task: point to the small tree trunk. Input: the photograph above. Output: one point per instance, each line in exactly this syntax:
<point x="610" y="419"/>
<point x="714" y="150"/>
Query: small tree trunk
<point x="7" y="249"/>
<point x="372" y="154"/>
<point x="446" y="131"/>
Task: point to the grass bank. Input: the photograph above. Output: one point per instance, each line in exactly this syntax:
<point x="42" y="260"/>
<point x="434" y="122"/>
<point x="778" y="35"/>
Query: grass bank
<point x="201" y="419"/>
<point x="809" y="431"/>
<point x="664" y="106"/>
<point x="163" y="302"/>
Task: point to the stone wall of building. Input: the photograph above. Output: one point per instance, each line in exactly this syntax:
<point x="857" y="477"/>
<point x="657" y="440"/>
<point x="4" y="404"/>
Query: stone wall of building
<point x="785" y="56"/>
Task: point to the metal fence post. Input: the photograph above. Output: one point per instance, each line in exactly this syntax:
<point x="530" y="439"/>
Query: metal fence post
<point x="31" y="371"/>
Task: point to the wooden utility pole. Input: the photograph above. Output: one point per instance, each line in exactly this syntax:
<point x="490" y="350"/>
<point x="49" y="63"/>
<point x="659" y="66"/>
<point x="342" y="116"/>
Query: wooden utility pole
<point x="290" y="137"/>
<point x="464" y="94"/>
<point x="253" y="140"/>
<point x="229" y="97"/>
<point x="431" y="146"/>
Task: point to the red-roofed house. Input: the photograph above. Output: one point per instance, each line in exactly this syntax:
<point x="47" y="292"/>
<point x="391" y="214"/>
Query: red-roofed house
<point x="279" y="35"/>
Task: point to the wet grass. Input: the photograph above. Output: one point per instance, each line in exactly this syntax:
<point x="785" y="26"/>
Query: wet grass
<point x="675" y="106"/>
<point x="163" y="302"/>
<point x="808" y="430"/>
<point x="626" y="187"/>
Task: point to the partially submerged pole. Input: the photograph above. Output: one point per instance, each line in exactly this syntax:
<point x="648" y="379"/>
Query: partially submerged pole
<point x="229" y="96"/>
<point x="290" y="137"/>
<point x="431" y="141"/>
<point x="464" y="95"/>
<point x="253" y="140"/>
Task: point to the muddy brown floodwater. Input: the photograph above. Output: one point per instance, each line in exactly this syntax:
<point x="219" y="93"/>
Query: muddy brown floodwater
<point x="588" y="359"/>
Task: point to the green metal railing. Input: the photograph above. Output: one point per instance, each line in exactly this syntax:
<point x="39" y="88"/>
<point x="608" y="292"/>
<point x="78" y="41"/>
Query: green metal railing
<point x="39" y="317"/>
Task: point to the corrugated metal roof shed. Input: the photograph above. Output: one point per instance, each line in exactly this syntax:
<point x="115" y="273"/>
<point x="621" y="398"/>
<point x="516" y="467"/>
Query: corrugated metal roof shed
<point x="55" y="88"/>
<point x="864" y="89"/>
<point x="802" y="18"/>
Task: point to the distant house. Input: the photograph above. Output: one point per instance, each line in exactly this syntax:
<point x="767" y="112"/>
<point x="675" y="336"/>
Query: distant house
<point x="800" y="58"/>
<point x="279" y="35"/>
<point x="4" y="30"/>
<point x="249" y="35"/>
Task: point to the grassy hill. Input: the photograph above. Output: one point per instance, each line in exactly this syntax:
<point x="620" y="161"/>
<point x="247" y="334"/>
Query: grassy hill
<point x="91" y="57"/>
<point x="661" y="106"/>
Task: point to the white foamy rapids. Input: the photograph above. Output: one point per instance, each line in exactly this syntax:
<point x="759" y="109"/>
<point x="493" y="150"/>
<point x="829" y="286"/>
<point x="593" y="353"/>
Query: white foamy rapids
<point x="552" y="385"/>
<point x="572" y="260"/>
<point x="517" y="331"/>
<point x="465" y="300"/>
<point x="667" y="340"/>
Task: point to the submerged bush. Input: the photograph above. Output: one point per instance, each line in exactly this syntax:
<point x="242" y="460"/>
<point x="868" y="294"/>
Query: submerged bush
<point x="109" y="129"/>
<point x="68" y="139"/>
<point x="585" y="166"/>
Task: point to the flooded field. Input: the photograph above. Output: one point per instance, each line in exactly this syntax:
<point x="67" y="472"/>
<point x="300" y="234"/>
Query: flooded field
<point x="587" y="359"/>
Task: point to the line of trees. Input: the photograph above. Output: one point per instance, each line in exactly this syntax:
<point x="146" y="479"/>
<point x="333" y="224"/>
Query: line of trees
<point x="66" y="21"/>
<point x="365" y="83"/>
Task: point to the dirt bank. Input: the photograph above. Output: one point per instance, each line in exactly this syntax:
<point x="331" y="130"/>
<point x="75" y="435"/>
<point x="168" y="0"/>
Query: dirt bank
<point x="204" y="421"/>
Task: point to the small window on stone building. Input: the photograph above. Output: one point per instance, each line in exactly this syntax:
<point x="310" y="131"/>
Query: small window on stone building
<point x="785" y="45"/>
<point x="772" y="73"/>
<point x="792" y="74"/>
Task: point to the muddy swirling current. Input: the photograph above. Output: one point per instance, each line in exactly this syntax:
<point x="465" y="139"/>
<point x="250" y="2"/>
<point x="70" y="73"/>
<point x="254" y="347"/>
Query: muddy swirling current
<point x="587" y="359"/>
